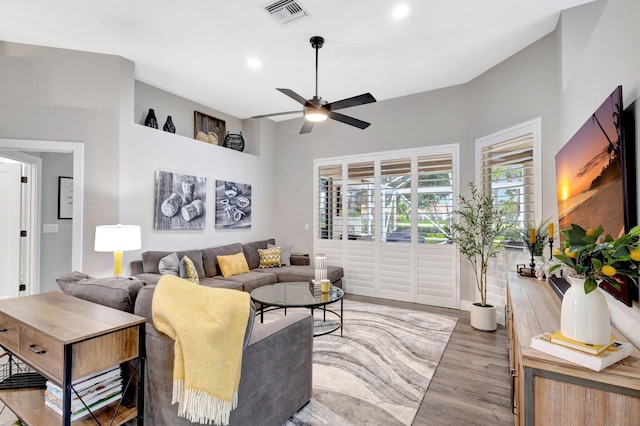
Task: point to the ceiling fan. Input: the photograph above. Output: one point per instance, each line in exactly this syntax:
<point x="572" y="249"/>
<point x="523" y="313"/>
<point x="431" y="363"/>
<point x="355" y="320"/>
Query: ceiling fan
<point x="317" y="109"/>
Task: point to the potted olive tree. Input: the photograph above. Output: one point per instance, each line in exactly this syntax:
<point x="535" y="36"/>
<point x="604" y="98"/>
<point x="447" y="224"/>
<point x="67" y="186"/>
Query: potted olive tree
<point x="477" y="230"/>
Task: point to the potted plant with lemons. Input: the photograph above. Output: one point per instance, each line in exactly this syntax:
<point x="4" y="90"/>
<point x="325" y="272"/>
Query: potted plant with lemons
<point x="587" y="259"/>
<point x="478" y="233"/>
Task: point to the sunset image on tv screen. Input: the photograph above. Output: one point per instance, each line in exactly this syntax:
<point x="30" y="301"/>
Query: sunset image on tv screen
<point x="589" y="172"/>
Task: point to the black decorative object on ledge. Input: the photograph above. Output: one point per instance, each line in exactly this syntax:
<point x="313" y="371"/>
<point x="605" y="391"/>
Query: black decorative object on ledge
<point x="168" y="126"/>
<point x="525" y="271"/>
<point x="234" y="141"/>
<point x="151" y="120"/>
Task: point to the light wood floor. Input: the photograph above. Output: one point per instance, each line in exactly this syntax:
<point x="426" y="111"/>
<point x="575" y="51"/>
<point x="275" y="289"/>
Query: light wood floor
<point x="470" y="386"/>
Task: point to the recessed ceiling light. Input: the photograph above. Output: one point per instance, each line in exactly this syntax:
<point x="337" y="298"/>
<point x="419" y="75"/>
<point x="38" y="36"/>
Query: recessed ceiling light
<point x="400" y="11"/>
<point x="254" y="63"/>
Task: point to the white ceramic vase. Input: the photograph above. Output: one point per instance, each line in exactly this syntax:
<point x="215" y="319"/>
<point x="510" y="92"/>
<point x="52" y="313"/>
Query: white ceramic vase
<point x="539" y="261"/>
<point x="483" y="317"/>
<point x="585" y="317"/>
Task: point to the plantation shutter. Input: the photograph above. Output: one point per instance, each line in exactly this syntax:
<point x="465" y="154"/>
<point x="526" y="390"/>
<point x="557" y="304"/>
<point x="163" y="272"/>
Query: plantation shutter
<point x="435" y="197"/>
<point x="360" y="200"/>
<point x="507" y="171"/>
<point x="329" y="202"/>
<point x="395" y="198"/>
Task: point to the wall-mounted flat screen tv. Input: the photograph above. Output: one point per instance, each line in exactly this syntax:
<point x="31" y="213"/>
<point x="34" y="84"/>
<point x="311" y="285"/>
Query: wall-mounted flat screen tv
<point x="595" y="178"/>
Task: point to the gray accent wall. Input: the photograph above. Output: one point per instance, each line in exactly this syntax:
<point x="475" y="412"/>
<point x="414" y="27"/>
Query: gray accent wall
<point x="55" y="249"/>
<point x="521" y="88"/>
<point x="63" y="95"/>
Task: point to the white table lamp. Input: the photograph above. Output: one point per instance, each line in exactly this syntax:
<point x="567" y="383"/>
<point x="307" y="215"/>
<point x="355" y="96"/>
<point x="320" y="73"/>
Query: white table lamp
<point x="118" y="239"/>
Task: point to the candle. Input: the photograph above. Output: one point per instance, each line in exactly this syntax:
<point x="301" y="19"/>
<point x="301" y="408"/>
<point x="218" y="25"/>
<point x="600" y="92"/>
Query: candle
<point x="532" y="235"/>
<point x="551" y="230"/>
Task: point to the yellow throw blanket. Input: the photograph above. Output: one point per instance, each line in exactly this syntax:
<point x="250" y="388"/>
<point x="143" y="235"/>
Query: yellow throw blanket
<point x="208" y="325"/>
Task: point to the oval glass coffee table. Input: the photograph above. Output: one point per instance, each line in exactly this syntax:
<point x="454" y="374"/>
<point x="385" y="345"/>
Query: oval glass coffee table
<point x="299" y="295"/>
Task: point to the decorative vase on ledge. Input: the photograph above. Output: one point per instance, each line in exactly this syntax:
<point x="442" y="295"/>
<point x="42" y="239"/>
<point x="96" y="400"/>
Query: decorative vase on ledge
<point x="585" y="317"/>
<point x="168" y="126"/>
<point x="151" y="120"/>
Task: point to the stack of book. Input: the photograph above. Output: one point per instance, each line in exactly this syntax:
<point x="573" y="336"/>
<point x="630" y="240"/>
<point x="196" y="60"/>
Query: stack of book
<point x="595" y="357"/>
<point x="314" y="287"/>
<point x="96" y="390"/>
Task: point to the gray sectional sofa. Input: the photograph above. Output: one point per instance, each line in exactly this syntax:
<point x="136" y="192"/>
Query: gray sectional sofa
<point x="276" y="376"/>
<point x="206" y="263"/>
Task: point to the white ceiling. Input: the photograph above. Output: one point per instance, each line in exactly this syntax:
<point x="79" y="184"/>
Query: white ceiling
<point x="199" y="49"/>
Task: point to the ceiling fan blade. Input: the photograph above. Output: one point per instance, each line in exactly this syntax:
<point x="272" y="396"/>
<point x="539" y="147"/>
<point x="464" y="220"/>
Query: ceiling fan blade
<point x="365" y="98"/>
<point x="293" y="95"/>
<point x="349" y="120"/>
<point x="306" y="127"/>
<point x="278" y="113"/>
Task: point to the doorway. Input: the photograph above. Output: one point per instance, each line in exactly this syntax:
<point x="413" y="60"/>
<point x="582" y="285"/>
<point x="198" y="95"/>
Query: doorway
<point x="77" y="153"/>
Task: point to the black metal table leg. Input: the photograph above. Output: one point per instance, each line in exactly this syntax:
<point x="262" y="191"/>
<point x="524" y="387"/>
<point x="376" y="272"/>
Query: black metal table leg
<point x="142" y="355"/>
<point x="341" y="315"/>
<point x="66" y="385"/>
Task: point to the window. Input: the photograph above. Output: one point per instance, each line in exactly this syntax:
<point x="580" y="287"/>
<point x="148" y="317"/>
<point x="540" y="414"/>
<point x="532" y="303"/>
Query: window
<point x="392" y="197"/>
<point x="508" y="169"/>
<point x="330" y="202"/>
<point x="384" y="217"/>
<point x="435" y="198"/>
<point x="395" y="200"/>
<point x="360" y="200"/>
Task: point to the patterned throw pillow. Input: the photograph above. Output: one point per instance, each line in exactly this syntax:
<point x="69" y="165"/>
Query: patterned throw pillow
<point x="270" y="257"/>
<point x="285" y="256"/>
<point x="234" y="264"/>
<point x="188" y="270"/>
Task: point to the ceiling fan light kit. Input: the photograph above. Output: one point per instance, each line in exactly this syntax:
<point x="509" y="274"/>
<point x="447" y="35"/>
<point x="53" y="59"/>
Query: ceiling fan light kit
<point x="317" y="109"/>
<point x="315" y="116"/>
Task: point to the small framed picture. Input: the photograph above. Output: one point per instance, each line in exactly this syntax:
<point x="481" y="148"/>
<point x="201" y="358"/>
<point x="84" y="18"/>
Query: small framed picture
<point x="209" y="129"/>
<point x="65" y="197"/>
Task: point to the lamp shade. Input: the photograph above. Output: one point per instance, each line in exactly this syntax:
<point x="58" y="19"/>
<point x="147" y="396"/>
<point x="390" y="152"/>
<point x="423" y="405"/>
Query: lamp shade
<point x="117" y="238"/>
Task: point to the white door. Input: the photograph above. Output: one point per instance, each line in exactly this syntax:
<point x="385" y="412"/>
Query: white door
<point x="10" y="230"/>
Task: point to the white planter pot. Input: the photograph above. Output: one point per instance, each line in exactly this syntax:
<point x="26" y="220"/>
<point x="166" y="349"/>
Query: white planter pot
<point x="585" y="317"/>
<point x="483" y="317"/>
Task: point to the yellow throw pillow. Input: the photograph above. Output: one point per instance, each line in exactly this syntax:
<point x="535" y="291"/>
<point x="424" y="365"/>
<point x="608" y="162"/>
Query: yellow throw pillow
<point x="233" y="264"/>
<point x="188" y="270"/>
<point x="270" y="257"/>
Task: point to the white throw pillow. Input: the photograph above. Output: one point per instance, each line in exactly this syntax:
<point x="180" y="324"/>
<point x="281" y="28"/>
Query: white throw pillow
<point x="169" y="265"/>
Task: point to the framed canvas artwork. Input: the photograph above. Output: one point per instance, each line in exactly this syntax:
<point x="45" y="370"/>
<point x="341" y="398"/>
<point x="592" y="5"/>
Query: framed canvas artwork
<point x="209" y="129"/>
<point x="179" y="201"/>
<point x="233" y="205"/>
<point x="65" y="197"/>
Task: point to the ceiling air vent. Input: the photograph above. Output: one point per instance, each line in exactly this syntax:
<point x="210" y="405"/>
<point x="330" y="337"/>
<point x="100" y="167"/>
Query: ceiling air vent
<point x="285" y="11"/>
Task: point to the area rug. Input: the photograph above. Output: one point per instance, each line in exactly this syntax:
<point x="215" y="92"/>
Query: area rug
<point x="379" y="371"/>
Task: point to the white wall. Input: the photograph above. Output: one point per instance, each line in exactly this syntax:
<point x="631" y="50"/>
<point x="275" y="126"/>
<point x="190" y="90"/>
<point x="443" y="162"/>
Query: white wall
<point x="144" y="150"/>
<point x="609" y="57"/>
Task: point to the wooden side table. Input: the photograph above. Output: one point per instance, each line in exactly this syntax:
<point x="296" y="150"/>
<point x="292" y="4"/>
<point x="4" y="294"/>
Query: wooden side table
<point x="547" y="390"/>
<point x="65" y="338"/>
